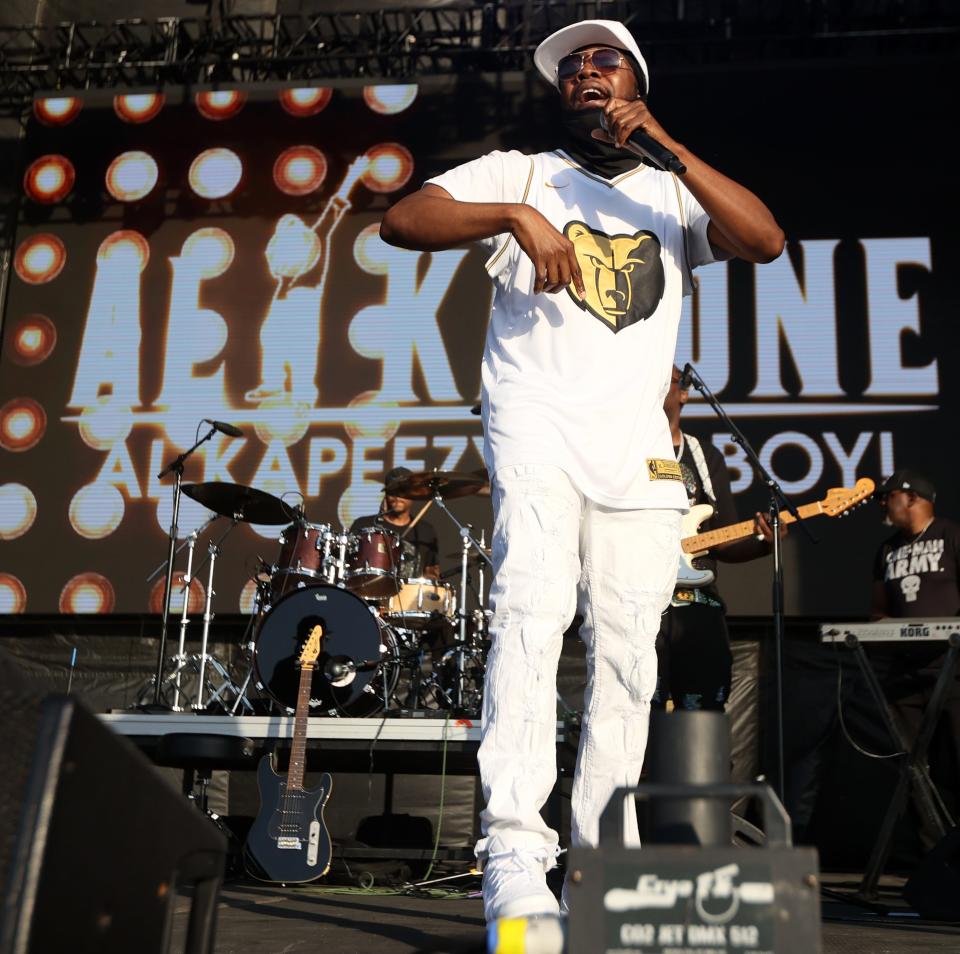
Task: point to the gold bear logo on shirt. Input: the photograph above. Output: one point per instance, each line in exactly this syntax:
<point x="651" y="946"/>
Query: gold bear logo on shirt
<point x="622" y="274"/>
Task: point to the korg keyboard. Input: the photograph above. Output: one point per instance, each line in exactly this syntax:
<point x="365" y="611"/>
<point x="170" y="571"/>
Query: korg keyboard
<point x="904" y="630"/>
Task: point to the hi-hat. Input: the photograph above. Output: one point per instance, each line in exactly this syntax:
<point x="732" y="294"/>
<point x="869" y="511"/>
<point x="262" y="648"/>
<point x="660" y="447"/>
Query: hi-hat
<point x="240" y="502"/>
<point x="429" y="483"/>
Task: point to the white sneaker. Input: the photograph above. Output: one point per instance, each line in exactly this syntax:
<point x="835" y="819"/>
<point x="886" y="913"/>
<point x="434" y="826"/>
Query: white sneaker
<point x="515" y="884"/>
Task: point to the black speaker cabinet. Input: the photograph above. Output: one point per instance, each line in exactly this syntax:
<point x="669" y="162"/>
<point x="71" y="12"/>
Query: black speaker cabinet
<point x="94" y="844"/>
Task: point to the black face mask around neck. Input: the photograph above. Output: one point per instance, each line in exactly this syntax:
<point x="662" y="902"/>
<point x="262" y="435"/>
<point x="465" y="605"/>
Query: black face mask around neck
<point x="594" y="155"/>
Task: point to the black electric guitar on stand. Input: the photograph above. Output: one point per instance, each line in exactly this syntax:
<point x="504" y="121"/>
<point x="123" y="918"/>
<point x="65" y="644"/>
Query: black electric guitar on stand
<point x="288" y="842"/>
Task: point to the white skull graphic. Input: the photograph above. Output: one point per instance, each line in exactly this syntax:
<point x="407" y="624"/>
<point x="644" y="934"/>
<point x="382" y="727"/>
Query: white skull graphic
<point x="910" y="586"/>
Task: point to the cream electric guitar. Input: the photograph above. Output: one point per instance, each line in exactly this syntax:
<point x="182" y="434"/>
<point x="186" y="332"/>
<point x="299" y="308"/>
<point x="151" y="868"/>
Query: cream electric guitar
<point x="693" y="545"/>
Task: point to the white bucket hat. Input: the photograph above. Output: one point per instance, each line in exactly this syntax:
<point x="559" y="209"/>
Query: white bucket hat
<point x="585" y="33"/>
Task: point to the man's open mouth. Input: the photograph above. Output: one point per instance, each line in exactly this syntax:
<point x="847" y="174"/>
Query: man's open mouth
<point x="592" y="96"/>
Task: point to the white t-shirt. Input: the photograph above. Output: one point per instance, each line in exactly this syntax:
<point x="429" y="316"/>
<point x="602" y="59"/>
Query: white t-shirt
<point x="581" y="386"/>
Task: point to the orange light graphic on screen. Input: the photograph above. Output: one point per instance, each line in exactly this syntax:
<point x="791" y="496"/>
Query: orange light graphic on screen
<point x="368" y="251"/>
<point x="131" y="176"/>
<point x="282" y="419"/>
<point x="215" y="173"/>
<point x="220" y="104"/>
<point x="18" y="510"/>
<point x="40" y="258"/>
<point x="87" y="593"/>
<point x="32" y="340"/>
<point x="391" y="166"/>
<point x="49" y="179"/>
<point x="57" y="110"/>
<point x="96" y="510"/>
<point x="383" y="425"/>
<point x="138" y="107"/>
<point x="102" y="424"/>
<point x="306" y="101"/>
<point x="13" y="594"/>
<point x="299" y="170"/>
<point x="126" y="249"/>
<point x="389" y="100"/>
<point x="22" y="423"/>
<point x="198" y="595"/>
<point x="211" y="249"/>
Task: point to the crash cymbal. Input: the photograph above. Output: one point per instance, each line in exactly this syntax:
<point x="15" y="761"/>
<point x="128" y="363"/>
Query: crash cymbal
<point x="428" y="483"/>
<point x="239" y="502"/>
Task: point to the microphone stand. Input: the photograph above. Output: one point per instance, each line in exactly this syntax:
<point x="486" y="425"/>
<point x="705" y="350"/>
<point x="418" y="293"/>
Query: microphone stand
<point x="175" y="466"/>
<point x="777" y="498"/>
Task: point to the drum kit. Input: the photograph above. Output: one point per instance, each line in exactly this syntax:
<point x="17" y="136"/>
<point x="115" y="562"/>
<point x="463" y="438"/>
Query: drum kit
<point x="392" y="644"/>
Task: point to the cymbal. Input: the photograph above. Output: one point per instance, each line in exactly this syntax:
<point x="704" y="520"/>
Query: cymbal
<point x="240" y="502"/>
<point x="428" y="483"/>
<point x="473" y="557"/>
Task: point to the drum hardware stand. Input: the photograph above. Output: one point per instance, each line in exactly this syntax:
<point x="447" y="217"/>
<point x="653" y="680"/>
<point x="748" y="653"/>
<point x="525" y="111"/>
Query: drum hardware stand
<point x="181" y="656"/>
<point x="467" y="541"/>
<point x="248" y="646"/>
<point x="175" y="467"/>
<point x="777" y="499"/>
<point x="197" y="662"/>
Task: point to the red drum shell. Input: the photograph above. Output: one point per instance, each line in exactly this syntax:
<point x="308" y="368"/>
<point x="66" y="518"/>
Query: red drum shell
<point x="301" y="558"/>
<point x="373" y="571"/>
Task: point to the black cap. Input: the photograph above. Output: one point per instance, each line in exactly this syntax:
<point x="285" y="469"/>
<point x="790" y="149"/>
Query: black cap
<point x="398" y="473"/>
<point x="908" y="480"/>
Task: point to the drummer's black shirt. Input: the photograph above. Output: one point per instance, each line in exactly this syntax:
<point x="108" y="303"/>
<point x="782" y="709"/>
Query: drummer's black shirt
<point x="418" y="549"/>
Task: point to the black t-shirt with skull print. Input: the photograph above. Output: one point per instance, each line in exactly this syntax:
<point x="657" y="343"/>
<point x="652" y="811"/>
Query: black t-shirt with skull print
<point x="921" y="573"/>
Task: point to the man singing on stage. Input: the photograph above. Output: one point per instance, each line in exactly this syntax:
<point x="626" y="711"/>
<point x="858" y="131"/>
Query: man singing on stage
<point x="590" y="251"/>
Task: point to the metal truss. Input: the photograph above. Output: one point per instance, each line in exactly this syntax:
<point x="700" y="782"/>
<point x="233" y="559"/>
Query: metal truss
<point x="407" y="42"/>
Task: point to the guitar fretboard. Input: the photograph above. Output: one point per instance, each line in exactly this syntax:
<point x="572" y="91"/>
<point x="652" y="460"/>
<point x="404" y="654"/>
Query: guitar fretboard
<point x="298" y="749"/>
<point x="738" y="531"/>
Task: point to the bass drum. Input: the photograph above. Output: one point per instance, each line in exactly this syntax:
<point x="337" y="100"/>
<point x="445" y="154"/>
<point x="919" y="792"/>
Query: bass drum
<point x="352" y="635"/>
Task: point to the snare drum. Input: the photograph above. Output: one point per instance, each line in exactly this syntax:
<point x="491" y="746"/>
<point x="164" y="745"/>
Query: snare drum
<point x="304" y="555"/>
<point x="373" y="568"/>
<point x="419" y="602"/>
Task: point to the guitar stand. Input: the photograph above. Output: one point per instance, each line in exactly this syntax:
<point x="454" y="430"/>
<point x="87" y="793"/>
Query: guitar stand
<point x="914" y="770"/>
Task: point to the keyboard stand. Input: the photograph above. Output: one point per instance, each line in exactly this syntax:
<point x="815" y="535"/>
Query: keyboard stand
<point x="914" y="769"/>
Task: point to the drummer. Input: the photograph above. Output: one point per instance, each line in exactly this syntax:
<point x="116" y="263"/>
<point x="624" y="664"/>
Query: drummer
<point x="418" y="547"/>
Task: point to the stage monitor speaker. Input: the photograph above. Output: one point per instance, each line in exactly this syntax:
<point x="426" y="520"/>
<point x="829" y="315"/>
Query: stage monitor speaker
<point x="934" y="888"/>
<point x="94" y="843"/>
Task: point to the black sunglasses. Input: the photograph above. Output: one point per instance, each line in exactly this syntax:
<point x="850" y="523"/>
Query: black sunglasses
<point x="605" y="60"/>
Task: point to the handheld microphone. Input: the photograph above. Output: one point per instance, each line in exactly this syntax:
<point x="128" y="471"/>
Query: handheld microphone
<point x="686" y="377"/>
<point x="646" y="147"/>
<point x="224" y="428"/>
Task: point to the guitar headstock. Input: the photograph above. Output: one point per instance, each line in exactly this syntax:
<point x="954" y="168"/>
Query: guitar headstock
<point x="840" y="500"/>
<point x="311" y="648"/>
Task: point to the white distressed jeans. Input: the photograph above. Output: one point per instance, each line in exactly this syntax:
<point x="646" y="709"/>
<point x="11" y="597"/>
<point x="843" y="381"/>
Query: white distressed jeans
<point x="554" y="550"/>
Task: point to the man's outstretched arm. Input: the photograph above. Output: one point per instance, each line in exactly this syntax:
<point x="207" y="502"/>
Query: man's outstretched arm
<point x="432" y="220"/>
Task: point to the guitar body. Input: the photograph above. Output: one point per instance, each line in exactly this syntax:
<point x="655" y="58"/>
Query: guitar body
<point x="288" y="842"/>
<point x="689" y="573"/>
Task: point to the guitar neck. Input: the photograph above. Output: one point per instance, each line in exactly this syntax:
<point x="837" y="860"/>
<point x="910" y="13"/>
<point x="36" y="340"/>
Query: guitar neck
<point x="298" y="751"/>
<point x="739" y="531"/>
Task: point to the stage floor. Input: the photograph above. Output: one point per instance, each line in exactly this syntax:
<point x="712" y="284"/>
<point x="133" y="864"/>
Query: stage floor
<point x="262" y="919"/>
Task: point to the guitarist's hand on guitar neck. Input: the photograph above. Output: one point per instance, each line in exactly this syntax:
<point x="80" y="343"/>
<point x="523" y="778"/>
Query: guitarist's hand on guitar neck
<point x="762" y="529"/>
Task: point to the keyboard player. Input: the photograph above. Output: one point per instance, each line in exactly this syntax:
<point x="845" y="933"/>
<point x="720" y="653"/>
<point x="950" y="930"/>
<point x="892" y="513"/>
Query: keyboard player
<point x="916" y="574"/>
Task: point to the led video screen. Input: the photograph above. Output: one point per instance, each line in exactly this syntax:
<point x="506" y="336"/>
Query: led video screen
<point x="214" y="256"/>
